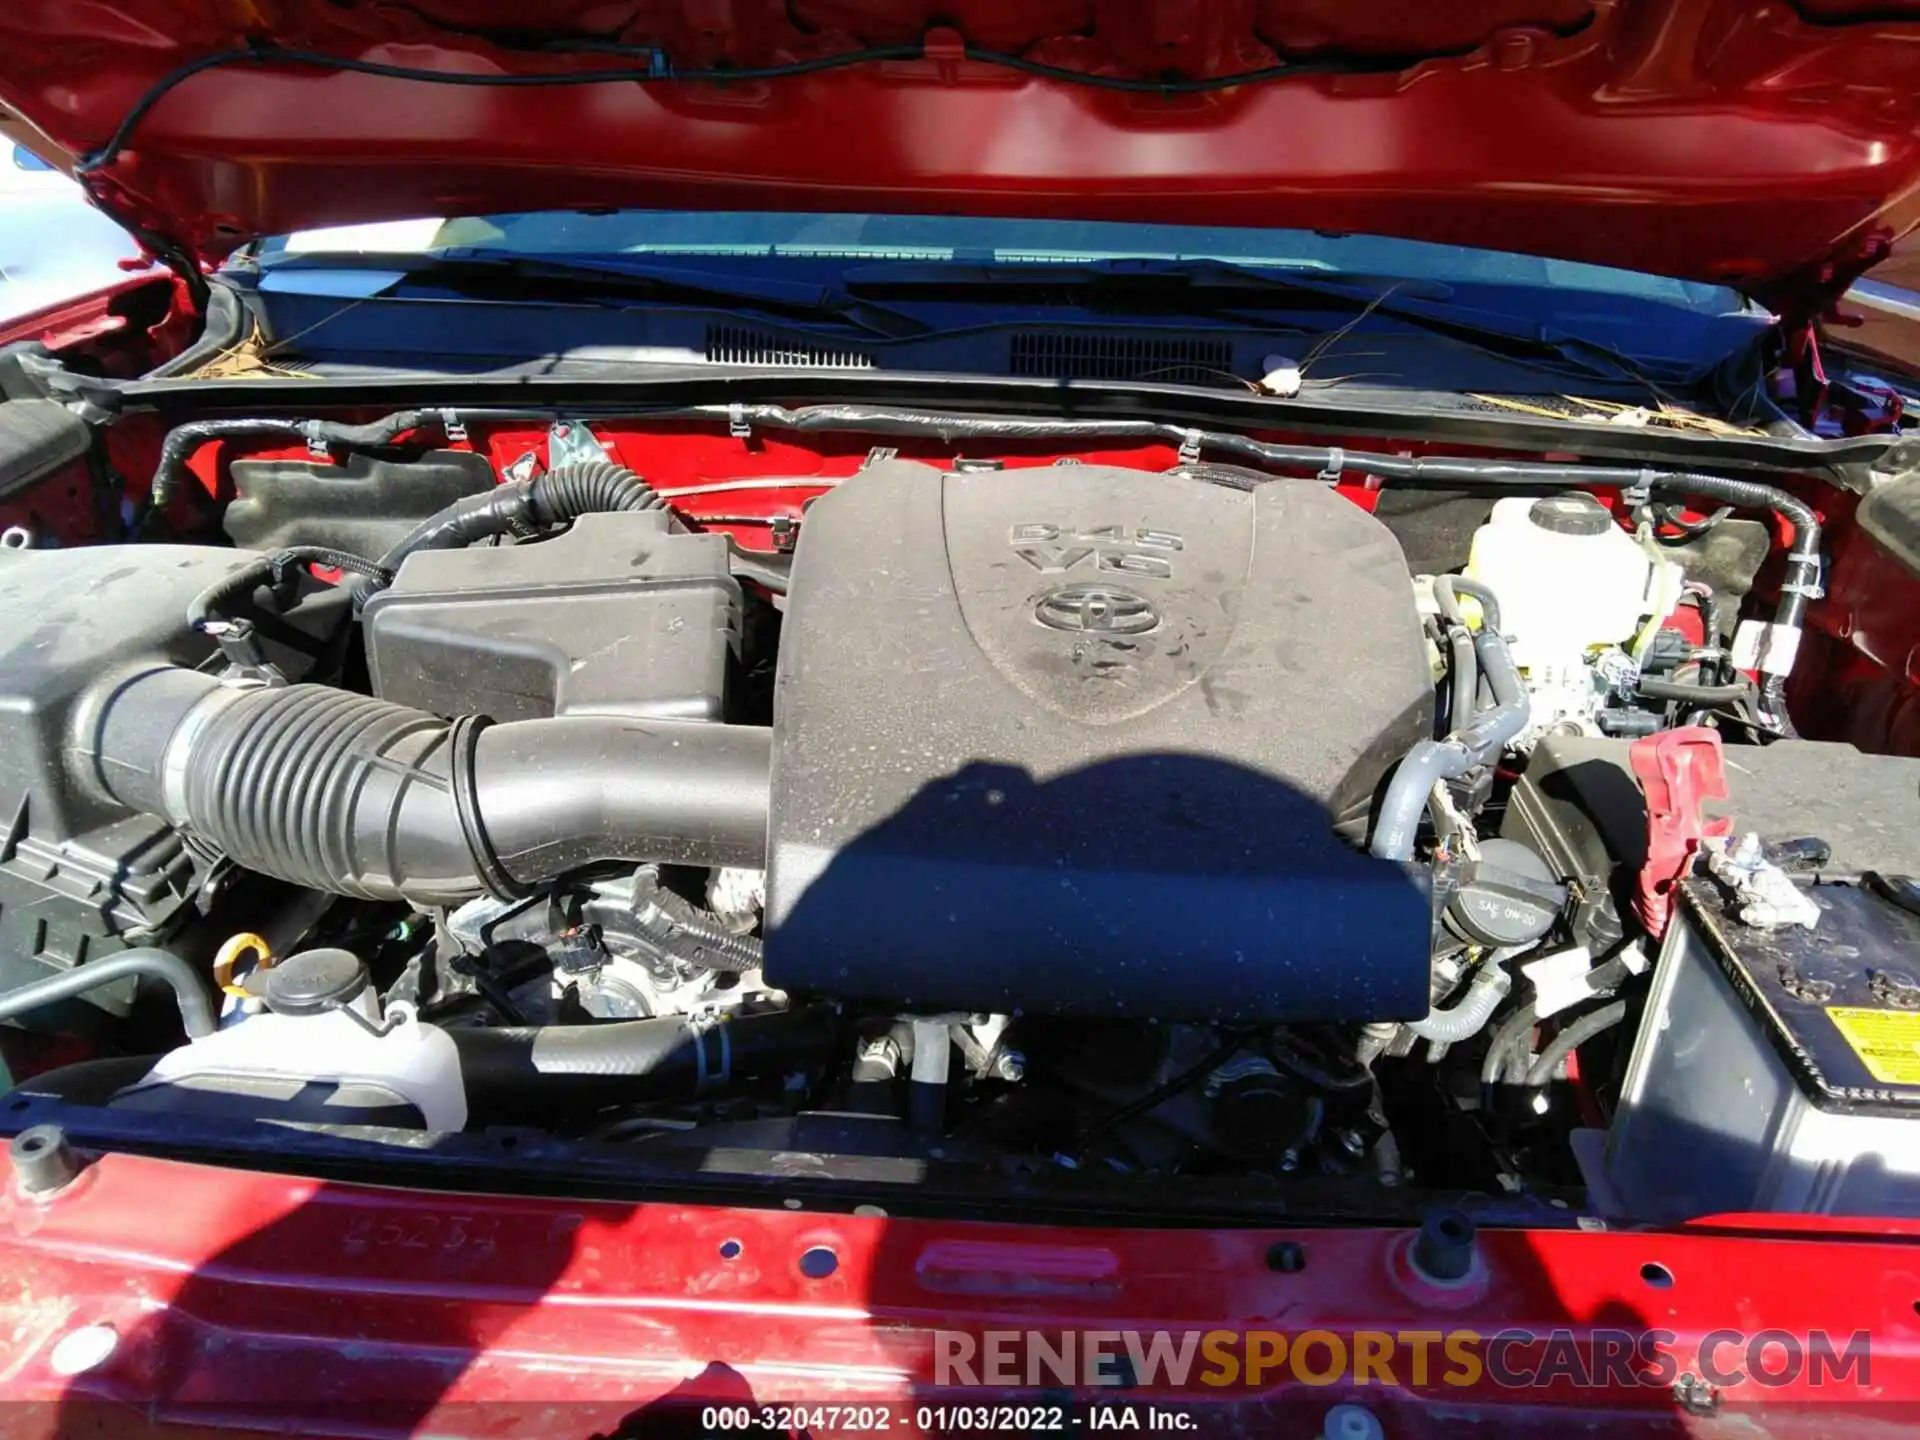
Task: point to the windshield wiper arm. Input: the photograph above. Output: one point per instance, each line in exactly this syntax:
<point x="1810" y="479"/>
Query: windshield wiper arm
<point x="524" y="276"/>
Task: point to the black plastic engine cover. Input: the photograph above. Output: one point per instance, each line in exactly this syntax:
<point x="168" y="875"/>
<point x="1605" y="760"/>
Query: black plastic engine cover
<point x="1077" y="740"/>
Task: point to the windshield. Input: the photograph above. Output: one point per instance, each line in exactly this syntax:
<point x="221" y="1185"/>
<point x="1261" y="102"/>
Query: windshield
<point x="982" y="240"/>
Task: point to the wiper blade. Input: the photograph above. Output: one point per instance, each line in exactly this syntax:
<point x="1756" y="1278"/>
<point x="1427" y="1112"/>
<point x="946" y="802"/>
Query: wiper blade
<point x="1218" y="289"/>
<point x="600" y="277"/>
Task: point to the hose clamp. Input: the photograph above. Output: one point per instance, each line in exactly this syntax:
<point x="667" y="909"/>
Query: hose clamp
<point x="1336" y="465"/>
<point x="1640" y="492"/>
<point x="1190" y="447"/>
<point x="450" y="423"/>
<point x="463" y="738"/>
<point x="175" y="759"/>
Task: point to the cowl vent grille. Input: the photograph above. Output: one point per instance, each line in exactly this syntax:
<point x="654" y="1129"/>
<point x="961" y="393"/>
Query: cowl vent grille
<point x="743" y="345"/>
<point x="1178" y="360"/>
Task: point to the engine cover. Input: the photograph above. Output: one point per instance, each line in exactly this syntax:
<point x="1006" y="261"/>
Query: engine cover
<point x="1082" y="740"/>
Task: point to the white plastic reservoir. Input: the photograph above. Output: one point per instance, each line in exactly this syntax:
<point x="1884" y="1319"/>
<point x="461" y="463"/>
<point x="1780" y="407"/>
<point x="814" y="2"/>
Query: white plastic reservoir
<point x="324" y="1026"/>
<point x="1568" y="578"/>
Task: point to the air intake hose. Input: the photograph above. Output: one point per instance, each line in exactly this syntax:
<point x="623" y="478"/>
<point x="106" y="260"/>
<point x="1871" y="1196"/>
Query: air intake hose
<point x="357" y="796"/>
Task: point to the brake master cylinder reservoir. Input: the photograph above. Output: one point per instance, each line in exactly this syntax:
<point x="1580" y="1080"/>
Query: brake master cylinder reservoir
<point x="1569" y="579"/>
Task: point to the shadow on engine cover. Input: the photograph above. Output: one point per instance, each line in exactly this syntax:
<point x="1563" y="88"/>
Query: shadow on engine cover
<point x="1163" y="886"/>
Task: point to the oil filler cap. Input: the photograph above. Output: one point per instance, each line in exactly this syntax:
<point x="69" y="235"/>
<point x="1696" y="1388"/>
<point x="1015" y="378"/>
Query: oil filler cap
<point x="314" y="982"/>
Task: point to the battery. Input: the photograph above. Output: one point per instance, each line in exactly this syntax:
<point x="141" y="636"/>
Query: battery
<point x="1774" y="1070"/>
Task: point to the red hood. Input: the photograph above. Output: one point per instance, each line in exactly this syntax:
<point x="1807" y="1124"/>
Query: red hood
<point x="1771" y="145"/>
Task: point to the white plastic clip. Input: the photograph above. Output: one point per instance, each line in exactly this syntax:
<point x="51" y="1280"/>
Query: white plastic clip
<point x="450" y="422"/>
<point x="1812" y="589"/>
<point x="737" y="425"/>
<point x="1336" y="465"/>
<point x="1640" y="492"/>
<point x="1190" y="447"/>
<point x="316" y="447"/>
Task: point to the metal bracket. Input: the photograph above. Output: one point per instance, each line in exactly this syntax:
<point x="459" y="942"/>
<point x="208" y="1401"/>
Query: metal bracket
<point x="879" y="455"/>
<point x="786" y="532"/>
<point x="570" y="442"/>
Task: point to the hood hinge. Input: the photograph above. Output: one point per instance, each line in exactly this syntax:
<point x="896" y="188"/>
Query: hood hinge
<point x="1810" y="300"/>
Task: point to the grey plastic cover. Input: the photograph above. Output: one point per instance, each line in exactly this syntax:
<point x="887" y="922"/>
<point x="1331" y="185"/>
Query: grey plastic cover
<point x="1080" y="739"/>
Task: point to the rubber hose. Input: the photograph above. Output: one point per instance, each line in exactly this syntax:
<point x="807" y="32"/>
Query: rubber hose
<point x="1464" y="673"/>
<point x="1654" y="688"/>
<point x="1572" y="1038"/>
<point x="1431" y="761"/>
<point x="196" y="1008"/>
<point x="1447" y="590"/>
<point x="1513" y="1035"/>
<point x="1507" y="1057"/>
<point x="528" y="1071"/>
<point x="1469" y="1017"/>
<point x="355" y="796"/>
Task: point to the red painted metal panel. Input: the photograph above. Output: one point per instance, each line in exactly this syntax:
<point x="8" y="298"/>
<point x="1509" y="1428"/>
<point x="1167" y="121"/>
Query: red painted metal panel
<point x="238" y="1296"/>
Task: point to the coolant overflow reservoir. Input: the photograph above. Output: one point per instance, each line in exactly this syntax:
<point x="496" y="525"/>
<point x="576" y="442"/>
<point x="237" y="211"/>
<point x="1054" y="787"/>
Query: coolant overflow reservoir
<point x="1569" y="579"/>
<point x="323" y="1050"/>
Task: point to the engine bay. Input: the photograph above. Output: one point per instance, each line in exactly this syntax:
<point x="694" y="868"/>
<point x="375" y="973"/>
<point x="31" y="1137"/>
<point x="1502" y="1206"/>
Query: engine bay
<point x="916" y="792"/>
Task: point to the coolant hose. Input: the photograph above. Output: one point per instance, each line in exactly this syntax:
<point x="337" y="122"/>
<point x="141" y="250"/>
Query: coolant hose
<point x="189" y="990"/>
<point x="1468" y="1017"/>
<point x="1463" y="673"/>
<point x="1572" y="1038"/>
<point x="356" y="796"/>
<point x="1473" y="744"/>
<point x="1447" y="590"/>
<point x="526" y="1071"/>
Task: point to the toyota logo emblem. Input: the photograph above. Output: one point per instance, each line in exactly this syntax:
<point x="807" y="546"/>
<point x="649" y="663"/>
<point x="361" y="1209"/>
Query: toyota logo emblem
<point x="1096" y="609"/>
